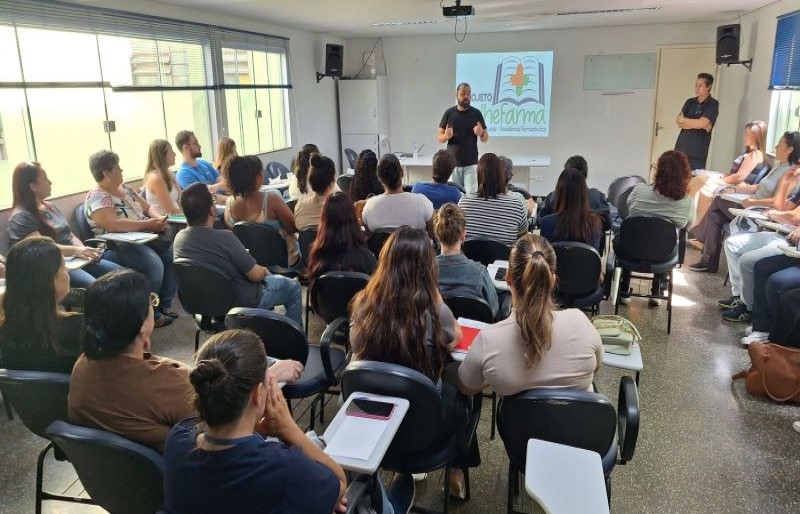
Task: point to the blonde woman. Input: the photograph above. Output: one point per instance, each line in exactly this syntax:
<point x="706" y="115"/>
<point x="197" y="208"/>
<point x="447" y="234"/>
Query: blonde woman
<point x="226" y="151"/>
<point x="161" y="190"/>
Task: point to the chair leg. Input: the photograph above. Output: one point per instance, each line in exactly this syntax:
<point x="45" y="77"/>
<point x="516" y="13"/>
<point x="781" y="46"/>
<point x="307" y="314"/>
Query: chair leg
<point x="446" y="489"/>
<point x="196" y="340"/>
<point x="39" y="477"/>
<point x="669" y="303"/>
<point x="466" y="483"/>
<point x="494" y="414"/>
<point x="308" y="308"/>
<point x="9" y="411"/>
<point x="510" y="492"/>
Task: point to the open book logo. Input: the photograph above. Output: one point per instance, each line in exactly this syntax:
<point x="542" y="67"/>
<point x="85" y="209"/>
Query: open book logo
<point x="519" y="81"/>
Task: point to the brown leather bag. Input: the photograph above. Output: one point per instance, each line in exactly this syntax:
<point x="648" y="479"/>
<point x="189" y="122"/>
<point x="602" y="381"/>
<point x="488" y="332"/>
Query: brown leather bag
<point x="774" y="372"/>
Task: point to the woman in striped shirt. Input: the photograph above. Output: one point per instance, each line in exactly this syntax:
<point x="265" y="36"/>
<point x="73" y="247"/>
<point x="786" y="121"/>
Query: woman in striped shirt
<point x="492" y="213"/>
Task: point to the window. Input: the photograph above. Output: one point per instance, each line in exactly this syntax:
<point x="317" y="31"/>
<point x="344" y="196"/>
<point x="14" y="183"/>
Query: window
<point x="784" y="113"/>
<point x="75" y="80"/>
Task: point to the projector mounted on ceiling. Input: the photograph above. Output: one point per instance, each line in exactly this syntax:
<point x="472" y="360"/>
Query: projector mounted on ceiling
<point x="454" y="11"/>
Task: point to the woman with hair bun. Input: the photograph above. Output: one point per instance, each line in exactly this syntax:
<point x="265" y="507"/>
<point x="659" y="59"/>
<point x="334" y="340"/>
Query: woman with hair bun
<point x="298" y="183"/>
<point x="321" y="178"/>
<point x="220" y="462"/>
<point x="538" y="345"/>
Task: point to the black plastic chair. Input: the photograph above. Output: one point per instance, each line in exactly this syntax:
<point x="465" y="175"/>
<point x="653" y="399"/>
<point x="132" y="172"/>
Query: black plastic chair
<point x="377" y="238"/>
<point x="574" y="418"/>
<point x="423" y="442"/>
<point x="352" y="158"/>
<point x="305" y="239"/>
<point x="276" y="169"/>
<point x="285" y="339"/>
<point x="486" y="251"/>
<point x="85" y="234"/>
<point x="622" y="210"/>
<point x="266" y="245"/>
<point x="291" y="204"/>
<point x="648" y="243"/>
<point x="120" y="475"/>
<point x="621" y="184"/>
<point x="578" y="267"/>
<point x="344" y="182"/>
<point x="205" y="294"/>
<point x="39" y="398"/>
<point x="332" y="292"/>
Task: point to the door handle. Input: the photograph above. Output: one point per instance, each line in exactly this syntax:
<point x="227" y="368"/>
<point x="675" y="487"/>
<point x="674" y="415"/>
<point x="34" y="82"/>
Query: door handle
<point x="659" y="126"/>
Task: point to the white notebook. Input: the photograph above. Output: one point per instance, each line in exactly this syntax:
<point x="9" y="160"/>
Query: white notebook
<point x="130" y="237"/>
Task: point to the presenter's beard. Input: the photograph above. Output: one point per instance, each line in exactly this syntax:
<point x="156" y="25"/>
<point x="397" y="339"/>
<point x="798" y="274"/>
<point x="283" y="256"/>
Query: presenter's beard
<point x="463" y="104"/>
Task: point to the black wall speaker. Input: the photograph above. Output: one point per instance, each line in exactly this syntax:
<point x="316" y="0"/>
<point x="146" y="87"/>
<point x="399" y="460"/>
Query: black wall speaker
<point x="728" y="44"/>
<point x="334" y="60"/>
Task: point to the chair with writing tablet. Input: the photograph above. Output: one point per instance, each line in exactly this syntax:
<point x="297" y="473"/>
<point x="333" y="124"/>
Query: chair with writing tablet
<point x="283" y="338"/>
<point x="332" y="292"/>
<point x="120" y="475"/>
<point x="205" y="294"/>
<point x="267" y="246"/>
<point x="424" y="442"/>
<point x="485" y="250"/>
<point x="344" y="181"/>
<point x="580" y="419"/>
<point x="85" y="234"/>
<point x="352" y="158"/>
<point x="377" y="238"/>
<point x="277" y="170"/>
<point x="578" y="268"/>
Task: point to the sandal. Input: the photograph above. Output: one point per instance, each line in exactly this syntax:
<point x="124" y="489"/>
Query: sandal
<point x="163" y="321"/>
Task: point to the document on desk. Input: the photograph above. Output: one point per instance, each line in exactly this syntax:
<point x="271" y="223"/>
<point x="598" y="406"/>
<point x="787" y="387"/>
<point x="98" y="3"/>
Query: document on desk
<point x="73" y="263"/>
<point x="130" y="237"/>
<point x="356" y="437"/>
<point x="747" y="213"/>
<point x="735" y="197"/>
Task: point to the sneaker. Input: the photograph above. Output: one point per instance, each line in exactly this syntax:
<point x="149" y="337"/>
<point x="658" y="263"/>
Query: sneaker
<point x="796" y="426"/>
<point x="654" y="302"/>
<point x="401" y="493"/>
<point x="748" y="330"/>
<point x="740" y="313"/>
<point x="729" y="303"/>
<point x="625" y="298"/>
<point x="456" y="486"/>
<point x="419" y="477"/>
<point x="701" y="267"/>
<point x="755" y="337"/>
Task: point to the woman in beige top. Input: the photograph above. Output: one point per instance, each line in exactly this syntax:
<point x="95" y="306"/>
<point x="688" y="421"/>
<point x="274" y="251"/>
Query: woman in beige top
<point x="537" y="346"/>
<point x="308" y="211"/>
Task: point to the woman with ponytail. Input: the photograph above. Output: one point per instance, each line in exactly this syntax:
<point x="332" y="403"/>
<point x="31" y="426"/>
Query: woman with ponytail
<point x="537" y="346"/>
<point x="321" y="179"/>
<point x="298" y="183"/>
<point x="220" y="462"/>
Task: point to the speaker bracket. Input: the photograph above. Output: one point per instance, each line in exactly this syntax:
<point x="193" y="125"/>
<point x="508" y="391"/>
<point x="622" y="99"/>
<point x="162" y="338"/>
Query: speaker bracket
<point x="321" y="76"/>
<point x="747" y="64"/>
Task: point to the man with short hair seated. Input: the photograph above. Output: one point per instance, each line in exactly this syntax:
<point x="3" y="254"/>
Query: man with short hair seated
<point x="220" y="250"/>
<point x="193" y="169"/>
<point x="439" y="192"/>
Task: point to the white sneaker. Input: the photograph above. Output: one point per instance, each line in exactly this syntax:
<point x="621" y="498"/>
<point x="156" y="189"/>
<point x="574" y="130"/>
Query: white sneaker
<point x="418" y="477"/>
<point x="755" y="337"/>
<point x="654" y="302"/>
<point x="748" y="330"/>
<point x="796" y="426"/>
<point x="625" y="300"/>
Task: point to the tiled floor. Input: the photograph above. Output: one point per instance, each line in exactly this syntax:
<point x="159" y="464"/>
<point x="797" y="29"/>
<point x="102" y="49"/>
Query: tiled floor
<point x="705" y="445"/>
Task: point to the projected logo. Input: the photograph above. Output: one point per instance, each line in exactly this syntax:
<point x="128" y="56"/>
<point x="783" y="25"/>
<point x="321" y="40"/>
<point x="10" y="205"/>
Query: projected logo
<point x="519" y="81"/>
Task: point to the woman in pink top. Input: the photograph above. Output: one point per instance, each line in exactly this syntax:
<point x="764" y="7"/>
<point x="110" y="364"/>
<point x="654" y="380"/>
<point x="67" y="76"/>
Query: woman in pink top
<point x="537" y="346"/>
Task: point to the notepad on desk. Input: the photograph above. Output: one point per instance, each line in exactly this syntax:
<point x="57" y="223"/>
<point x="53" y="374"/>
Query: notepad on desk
<point x="130" y="237"/>
<point x="356" y="437"/>
<point x="73" y="263"/>
<point x="469" y="331"/>
<point x="735" y="197"/>
<point x="748" y="213"/>
<point x="177" y="218"/>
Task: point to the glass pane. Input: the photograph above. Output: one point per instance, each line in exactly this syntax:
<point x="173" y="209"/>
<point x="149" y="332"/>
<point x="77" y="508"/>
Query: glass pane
<point x="265" y="120"/>
<point x="277" y="70"/>
<point x="56" y="56"/>
<point x="236" y="66"/>
<point x="14" y="139"/>
<point x="67" y="126"/>
<point x="234" y="121"/>
<point x="280" y="118"/>
<point x="188" y="110"/>
<point x="139" y="119"/>
<point x="128" y="61"/>
<point x="9" y="71"/>
<point x="247" y="111"/>
<point x="181" y="64"/>
<point x="260" y="72"/>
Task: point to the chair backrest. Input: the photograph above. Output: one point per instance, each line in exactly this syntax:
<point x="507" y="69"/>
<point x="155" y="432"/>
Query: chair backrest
<point x="486" y="251"/>
<point x="516" y="189"/>
<point x="619" y="185"/>
<point x="39" y="397"/>
<point x="578" y="267"/>
<point x="469" y="307"/>
<point x="276" y="169"/>
<point x="120" y="475"/>
<point x="344" y="181"/>
<point x="203" y="290"/>
<point x="305" y="239"/>
<point x="352" y="157"/>
<point x="622" y="209"/>
<point x="283" y="338"/>
<point x="333" y="291"/>
<point x="574" y="418"/>
<point x="82" y="228"/>
<point x="422" y="423"/>
<point x="647" y="238"/>
<point x="264" y="242"/>
<point x="292" y="204"/>
<point x="377" y="239"/>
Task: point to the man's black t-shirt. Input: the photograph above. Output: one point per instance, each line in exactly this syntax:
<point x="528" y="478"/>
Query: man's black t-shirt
<point x="694" y="142"/>
<point x="464" y="143"/>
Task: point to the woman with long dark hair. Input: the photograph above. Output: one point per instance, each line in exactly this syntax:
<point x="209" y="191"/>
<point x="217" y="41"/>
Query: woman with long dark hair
<point x="572" y="219"/>
<point x="298" y="183"/>
<point x="365" y="181"/>
<point x="35" y="333"/>
<point x="32" y="215"/>
<point x="322" y="180"/>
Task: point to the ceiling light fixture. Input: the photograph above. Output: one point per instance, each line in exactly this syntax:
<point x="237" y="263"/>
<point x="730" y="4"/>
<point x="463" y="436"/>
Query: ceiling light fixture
<point x="606" y="11"/>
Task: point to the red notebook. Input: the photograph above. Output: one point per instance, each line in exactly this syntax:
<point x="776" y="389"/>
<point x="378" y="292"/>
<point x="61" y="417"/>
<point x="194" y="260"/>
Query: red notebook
<point x="468" y="335"/>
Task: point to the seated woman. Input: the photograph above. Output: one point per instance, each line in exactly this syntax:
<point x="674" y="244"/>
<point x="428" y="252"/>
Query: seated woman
<point x="226" y="152"/>
<point x="298" y="183"/>
<point x="220" y="462"/>
<point x="666" y="196"/>
<point x="32" y="215"/>
<point x="439" y="192"/>
<point x="785" y="329"/>
<point x="538" y="345"/>
<point x="365" y="182"/>
<point x="598" y="203"/>
<point x="115" y="207"/>
<point x="400" y="318"/>
<point x="321" y="178"/>
<point x="244" y="177"/>
<point x="340" y="244"/>
<point x="747" y="168"/>
<point x="161" y="190"/>
<point x="572" y="219"/>
<point x="710" y="230"/>
<point x="35" y="333"/>
<point x="457" y="274"/>
<point x="491" y="213"/>
<point x="395" y="208"/>
<point x="773" y="277"/>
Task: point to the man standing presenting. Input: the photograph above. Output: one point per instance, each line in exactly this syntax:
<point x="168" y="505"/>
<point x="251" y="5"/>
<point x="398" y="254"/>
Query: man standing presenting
<point x="461" y="126"/>
<point x="696" y="120"/>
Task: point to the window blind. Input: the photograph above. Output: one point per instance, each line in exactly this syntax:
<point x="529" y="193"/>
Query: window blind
<point x="786" y="56"/>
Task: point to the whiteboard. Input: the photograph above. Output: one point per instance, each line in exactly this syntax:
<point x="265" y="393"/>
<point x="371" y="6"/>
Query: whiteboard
<point x="628" y="71"/>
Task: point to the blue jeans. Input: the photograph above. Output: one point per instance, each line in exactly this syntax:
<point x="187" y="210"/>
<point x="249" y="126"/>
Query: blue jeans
<point x="773" y="277"/>
<point x="157" y="269"/>
<point x="284" y="291"/>
<point x="86" y="275"/>
<point x="466" y="177"/>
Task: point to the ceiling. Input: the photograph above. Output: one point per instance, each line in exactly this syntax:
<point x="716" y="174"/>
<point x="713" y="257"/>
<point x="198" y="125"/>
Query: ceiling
<point x="357" y="18"/>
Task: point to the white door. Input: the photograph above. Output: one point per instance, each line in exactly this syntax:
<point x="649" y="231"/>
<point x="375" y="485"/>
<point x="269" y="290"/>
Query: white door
<point x="677" y="71"/>
<point x="358" y="106"/>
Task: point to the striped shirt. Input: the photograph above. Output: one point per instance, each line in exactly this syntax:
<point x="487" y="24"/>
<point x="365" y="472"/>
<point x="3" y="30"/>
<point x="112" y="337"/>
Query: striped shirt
<point x="502" y="218"/>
